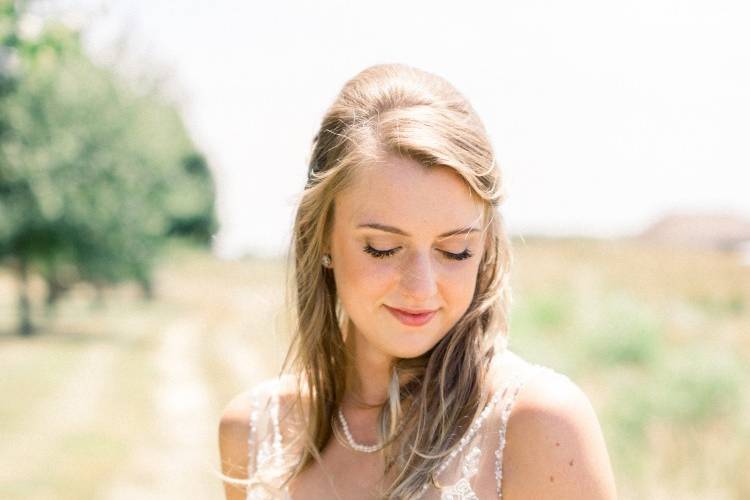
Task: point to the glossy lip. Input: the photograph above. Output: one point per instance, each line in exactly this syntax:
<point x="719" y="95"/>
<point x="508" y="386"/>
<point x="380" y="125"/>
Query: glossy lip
<point x="408" y="318"/>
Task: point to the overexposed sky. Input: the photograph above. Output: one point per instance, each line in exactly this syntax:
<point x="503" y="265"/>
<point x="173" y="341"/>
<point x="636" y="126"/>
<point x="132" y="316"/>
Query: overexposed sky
<point x="603" y="114"/>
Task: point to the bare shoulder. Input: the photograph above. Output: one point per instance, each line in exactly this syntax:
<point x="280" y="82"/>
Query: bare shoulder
<point x="235" y="416"/>
<point x="555" y="448"/>
<point x="234" y="432"/>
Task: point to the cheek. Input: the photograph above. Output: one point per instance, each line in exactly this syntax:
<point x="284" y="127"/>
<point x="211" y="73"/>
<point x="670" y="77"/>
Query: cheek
<point x="359" y="275"/>
<point x="459" y="287"/>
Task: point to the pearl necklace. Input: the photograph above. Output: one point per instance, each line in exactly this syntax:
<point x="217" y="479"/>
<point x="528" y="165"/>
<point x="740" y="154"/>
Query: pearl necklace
<point x="350" y="440"/>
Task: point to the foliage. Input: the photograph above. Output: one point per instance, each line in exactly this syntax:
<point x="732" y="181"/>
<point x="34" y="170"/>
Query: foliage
<point x="94" y="176"/>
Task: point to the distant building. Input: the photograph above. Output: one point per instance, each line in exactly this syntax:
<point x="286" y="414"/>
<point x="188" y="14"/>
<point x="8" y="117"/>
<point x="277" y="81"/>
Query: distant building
<point x="710" y="231"/>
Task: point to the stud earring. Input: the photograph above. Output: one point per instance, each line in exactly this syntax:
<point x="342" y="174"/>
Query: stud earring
<point x="326" y="260"/>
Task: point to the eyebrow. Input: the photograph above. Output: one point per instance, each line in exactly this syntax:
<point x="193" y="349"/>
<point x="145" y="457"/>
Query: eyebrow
<point x="395" y="230"/>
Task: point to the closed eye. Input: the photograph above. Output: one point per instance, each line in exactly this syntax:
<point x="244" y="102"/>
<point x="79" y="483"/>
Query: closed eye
<point x="379" y="254"/>
<point x="458" y="256"/>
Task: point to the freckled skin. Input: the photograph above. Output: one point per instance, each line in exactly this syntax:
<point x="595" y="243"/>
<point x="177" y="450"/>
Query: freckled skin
<point x="553" y="412"/>
<point x="423" y="202"/>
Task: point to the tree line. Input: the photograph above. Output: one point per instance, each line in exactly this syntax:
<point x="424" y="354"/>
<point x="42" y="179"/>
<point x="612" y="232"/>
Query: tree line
<point x="95" y="174"/>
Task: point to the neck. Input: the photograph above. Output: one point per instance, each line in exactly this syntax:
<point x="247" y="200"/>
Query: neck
<point x="369" y="375"/>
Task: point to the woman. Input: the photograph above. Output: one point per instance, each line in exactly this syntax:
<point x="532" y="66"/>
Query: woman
<point x="402" y="385"/>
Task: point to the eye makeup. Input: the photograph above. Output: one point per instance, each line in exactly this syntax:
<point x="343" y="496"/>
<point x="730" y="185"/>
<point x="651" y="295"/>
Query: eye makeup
<point x="380" y="254"/>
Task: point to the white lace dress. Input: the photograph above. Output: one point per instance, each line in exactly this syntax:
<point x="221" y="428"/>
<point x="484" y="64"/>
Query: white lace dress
<point x="480" y="453"/>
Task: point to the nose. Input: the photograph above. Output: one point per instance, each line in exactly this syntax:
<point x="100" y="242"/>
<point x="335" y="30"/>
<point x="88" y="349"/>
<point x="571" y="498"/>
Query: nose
<point x="418" y="279"/>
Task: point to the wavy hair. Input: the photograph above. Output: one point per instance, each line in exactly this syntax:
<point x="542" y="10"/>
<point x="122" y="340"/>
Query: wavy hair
<point x="395" y="109"/>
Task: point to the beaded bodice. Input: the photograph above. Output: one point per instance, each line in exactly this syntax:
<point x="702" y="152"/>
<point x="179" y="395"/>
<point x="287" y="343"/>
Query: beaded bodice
<point x="467" y="473"/>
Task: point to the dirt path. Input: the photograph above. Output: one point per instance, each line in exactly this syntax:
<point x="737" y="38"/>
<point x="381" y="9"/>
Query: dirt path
<point x="173" y="460"/>
<point x="176" y="458"/>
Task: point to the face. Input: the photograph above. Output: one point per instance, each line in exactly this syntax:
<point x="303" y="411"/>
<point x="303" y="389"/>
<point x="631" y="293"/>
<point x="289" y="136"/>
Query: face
<point x="411" y="238"/>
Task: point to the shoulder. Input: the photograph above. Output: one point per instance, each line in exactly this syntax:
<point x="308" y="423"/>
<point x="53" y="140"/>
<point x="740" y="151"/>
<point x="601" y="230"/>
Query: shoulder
<point x="554" y="443"/>
<point x="237" y="418"/>
<point x="236" y="415"/>
<point x="234" y="431"/>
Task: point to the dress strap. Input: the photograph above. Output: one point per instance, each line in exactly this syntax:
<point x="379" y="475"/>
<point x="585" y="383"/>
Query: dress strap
<point x="252" y="437"/>
<point x="514" y="388"/>
<point x="264" y="438"/>
<point x="277" y="443"/>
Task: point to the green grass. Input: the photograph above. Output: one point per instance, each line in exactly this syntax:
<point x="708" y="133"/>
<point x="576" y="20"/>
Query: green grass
<point x="657" y="339"/>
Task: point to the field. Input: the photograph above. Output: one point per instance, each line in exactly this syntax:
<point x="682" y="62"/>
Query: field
<point x="120" y="398"/>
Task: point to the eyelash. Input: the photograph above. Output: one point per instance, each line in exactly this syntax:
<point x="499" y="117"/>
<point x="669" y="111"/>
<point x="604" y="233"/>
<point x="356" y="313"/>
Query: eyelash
<point x="379" y="254"/>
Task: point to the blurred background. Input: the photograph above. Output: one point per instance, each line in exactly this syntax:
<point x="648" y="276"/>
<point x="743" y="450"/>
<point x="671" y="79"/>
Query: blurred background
<point x="152" y="152"/>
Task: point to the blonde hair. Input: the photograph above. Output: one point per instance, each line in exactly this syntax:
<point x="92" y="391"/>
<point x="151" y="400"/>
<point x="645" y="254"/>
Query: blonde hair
<point x="395" y="109"/>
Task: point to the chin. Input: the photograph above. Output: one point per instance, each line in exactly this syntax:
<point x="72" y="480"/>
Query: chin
<point x="409" y="354"/>
<point x="412" y="346"/>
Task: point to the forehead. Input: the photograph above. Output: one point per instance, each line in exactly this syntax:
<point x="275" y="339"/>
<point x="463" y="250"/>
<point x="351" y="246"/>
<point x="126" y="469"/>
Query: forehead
<point x="403" y="192"/>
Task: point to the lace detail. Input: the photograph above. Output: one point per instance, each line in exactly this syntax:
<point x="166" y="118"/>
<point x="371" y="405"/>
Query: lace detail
<point x="473" y="429"/>
<point x="471" y="462"/>
<point x="459" y="491"/>
<point x="499" y="451"/>
<point x="266" y="446"/>
<point x="264" y="442"/>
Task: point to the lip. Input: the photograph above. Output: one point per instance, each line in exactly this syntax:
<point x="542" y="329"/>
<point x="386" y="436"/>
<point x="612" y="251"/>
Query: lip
<point x="412" y="318"/>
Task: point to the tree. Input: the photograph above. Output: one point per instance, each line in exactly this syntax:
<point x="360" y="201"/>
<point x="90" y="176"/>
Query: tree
<point x="94" y="175"/>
